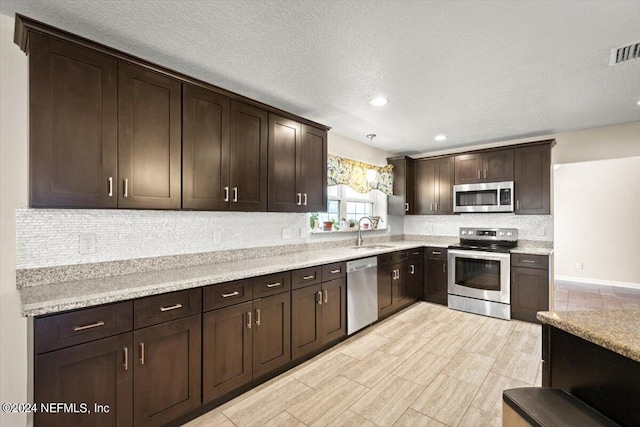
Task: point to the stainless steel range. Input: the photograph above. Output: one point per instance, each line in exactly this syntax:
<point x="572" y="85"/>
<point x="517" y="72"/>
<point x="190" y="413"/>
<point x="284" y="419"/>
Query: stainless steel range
<point x="479" y="271"/>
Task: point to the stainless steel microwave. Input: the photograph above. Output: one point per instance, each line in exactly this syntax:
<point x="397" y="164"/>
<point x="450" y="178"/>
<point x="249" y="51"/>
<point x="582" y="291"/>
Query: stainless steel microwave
<point x="484" y="197"/>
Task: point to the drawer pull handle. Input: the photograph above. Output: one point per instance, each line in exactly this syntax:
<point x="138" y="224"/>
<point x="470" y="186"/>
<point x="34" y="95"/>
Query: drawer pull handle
<point x="248" y="320"/>
<point x="436" y="252"/>
<point x="319" y="297"/>
<point x="313" y="276"/>
<point x="335" y="271"/>
<point x="232" y="294"/>
<point x="93" y="325"/>
<point x="126" y="358"/>
<point x="528" y="261"/>
<point x="257" y="316"/>
<point x="416" y="253"/>
<point x="274" y="285"/>
<point x="141" y="353"/>
<point x="413" y="269"/>
<point x="173" y="307"/>
<point x="325" y="297"/>
<point x="110" y="186"/>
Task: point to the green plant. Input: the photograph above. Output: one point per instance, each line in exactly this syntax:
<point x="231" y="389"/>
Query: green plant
<point x="312" y="219"/>
<point x="336" y="225"/>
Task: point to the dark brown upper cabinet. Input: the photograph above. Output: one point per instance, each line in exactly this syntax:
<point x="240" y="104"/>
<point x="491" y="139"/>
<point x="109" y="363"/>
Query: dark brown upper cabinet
<point x="533" y="179"/>
<point x="433" y="183"/>
<point x="297" y="166"/>
<point x="73" y="125"/>
<point x="401" y="203"/>
<point x="149" y="139"/>
<point x="205" y="149"/>
<point x="489" y="166"/>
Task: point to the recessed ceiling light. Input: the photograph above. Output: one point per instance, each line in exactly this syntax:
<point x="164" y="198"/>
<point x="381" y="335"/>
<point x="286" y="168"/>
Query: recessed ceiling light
<point x="379" y="101"/>
<point x="638" y="102"/>
<point x="440" y="137"/>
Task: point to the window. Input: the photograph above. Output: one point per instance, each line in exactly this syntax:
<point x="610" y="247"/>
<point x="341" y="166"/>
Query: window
<point x="345" y="203"/>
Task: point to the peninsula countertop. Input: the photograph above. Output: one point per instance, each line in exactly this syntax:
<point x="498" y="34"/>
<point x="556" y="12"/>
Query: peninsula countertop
<point x="615" y="330"/>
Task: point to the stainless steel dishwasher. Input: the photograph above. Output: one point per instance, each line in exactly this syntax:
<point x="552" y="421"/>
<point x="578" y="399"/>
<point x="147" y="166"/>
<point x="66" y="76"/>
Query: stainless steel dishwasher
<point x="362" y="293"/>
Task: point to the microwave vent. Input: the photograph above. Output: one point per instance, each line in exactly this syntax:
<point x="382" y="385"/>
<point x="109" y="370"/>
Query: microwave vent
<point x="626" y="53"/>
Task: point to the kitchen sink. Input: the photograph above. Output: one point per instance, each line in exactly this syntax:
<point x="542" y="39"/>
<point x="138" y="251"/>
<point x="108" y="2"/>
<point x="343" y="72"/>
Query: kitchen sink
<point x="372" y="247"/>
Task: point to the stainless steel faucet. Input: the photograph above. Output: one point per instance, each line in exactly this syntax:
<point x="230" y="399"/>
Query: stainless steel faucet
<point x="359" y="241"/>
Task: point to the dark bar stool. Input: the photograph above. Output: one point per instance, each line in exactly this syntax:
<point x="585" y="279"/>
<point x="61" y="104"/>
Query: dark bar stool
<point x="548" y="407"/>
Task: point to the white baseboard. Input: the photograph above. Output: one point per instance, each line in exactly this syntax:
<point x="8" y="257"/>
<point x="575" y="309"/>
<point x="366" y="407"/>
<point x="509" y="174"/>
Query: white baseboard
<point x="631" y="285"/>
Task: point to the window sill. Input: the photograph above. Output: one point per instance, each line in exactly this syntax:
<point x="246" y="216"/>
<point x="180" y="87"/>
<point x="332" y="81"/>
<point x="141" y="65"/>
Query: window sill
<point x="345" y="230"/>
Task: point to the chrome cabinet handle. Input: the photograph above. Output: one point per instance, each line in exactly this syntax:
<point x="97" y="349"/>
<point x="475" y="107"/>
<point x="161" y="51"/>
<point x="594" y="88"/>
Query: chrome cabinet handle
<point x="319" y="297"/>
<point x="257" y="317"/>
<point x="274" y="285"/>
<point x="232" y="294"/>
<point x="406" y="207"/>
<point x="431" y="206"/>
<point x="444" y="268"/>
<point x="226" y="194"/>
<point x="126" y="358"/>
<point x="335" y="271"/>
<point x="308" y="277"/>
<point x="126" y="188"/>
<point x="248" y="320"/>
<point x="478" y="173"/>
<point x="517" y="204"/>
<point x="93" y="325"/>
<point x="110" y="186"/>
<point x="325" y="297"/>
<point x="528" y="261"/>
<point x="413" y="269"/>
<point x="141" y="353"/>
<point x="485" y="174"/>
<point x="436" y="206"/>
<point x="305" y="199"/>
<point x="436" y="252"/>
<point x="299" y="202"/>
<point x="173" y="307"/>
<point x="235" y="194"/>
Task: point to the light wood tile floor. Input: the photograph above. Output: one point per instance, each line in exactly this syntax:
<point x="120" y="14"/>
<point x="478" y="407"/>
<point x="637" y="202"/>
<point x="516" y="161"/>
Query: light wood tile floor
<point x="425" y="366"/>
<point x="571" y="296"/>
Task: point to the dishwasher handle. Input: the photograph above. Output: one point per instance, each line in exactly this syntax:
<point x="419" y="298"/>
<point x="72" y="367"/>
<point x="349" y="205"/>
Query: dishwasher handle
<point x="361" y="264"/>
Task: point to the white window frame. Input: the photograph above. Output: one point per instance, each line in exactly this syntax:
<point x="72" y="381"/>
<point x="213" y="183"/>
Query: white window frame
<point x="377" y="199"/>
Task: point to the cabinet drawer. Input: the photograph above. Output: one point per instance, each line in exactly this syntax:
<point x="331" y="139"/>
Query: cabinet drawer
<point x="80" y="326"/>
<point x="415" y="253"/>
<point x="393" y="257"/>
<point x="333" y="271"/>
<point x="226" y="294"/>
<point x="530" y="261"/>
<point x="165" y="307"/>
<point x="272" y="284"/>
<point x="437" y="253"/>
<point x="305" y="277"/>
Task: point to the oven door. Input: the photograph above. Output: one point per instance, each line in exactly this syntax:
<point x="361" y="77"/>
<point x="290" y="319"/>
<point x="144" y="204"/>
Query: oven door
<point x="481" y="275"/>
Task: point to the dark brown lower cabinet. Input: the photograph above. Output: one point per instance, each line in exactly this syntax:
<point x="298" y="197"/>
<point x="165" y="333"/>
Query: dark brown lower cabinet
<point x="393" y="286"/>
<point x="414" y="274"/>
<point x="243" y="342"/>
<point x="167" y="372"/>
<point x="435" y="278"/>
<point x="96" y="372"/>
<point x="318" y="316"/>
<point x="529" y="293"/>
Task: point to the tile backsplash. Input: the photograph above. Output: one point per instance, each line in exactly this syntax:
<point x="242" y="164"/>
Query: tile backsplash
<point x="530" y="227"/>
<point x="51" y="237"/>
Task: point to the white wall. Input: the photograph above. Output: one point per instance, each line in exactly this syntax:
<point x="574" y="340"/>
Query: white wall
<point x="13" y="194"/>
<point x="598" y="221"/>
<point x="354" y="150"/>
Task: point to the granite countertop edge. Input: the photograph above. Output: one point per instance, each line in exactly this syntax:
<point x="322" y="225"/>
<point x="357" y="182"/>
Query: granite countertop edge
<point x="623" y="346"/>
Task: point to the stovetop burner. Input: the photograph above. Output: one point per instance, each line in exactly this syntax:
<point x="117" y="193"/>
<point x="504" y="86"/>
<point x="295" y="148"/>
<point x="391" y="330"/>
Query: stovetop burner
<point x="487" y="239"/>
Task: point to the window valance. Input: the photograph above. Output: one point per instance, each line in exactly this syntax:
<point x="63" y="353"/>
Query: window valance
<point x="354" y="174"/>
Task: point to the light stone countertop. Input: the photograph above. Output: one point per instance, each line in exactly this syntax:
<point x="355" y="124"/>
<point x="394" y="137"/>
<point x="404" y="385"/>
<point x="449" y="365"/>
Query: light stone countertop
<point x="618" y="331"/>
<point x="57" y="297"/>
<point x="532" y="251"/>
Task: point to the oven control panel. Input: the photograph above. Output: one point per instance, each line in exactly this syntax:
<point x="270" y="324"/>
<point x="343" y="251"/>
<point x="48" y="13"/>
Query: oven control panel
<point x="490" y="234"/>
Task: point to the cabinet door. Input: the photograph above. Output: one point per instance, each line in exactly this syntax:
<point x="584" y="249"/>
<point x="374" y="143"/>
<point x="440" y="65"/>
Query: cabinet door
<point x="424" y="187"/>
<point x="468" y="168"/>
<point x="497" y="166"/>
<point x="386" y="279"/>
<point x="529" y="293"/>
<point x="284" y="140"/>
<point x="414" y="275"/>
<point x="334" y="310"/>
<point x="312" y="169"/>
<point x="402" y="201"/>
<point x="533" y="180"/>
<point x="306" y="313"/>
<point x="227" y="338"/>
<point x="444" y="186"/>
<point x="97" y="372"/>
<point x="167" y="380"/>
<point x="73" y="125"/>
<point x="400" y="292"/>
<point x="272" y="333"/>
<point x="205" y="149"/>
<point x="435" y="281"/>
<point x="248" y="166"/>
<point x="149" y="139"/>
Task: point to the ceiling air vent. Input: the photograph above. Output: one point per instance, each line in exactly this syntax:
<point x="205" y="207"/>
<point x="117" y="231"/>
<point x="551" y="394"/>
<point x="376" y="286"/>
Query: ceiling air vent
<point x="626" y="53"/>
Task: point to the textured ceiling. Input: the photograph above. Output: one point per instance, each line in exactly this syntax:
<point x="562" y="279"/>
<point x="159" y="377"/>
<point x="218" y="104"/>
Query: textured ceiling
<point x="476" y="71"/>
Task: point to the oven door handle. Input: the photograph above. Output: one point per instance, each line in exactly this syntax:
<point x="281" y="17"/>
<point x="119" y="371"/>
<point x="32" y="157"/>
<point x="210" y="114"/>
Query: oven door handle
<point x="491" y="256"/>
